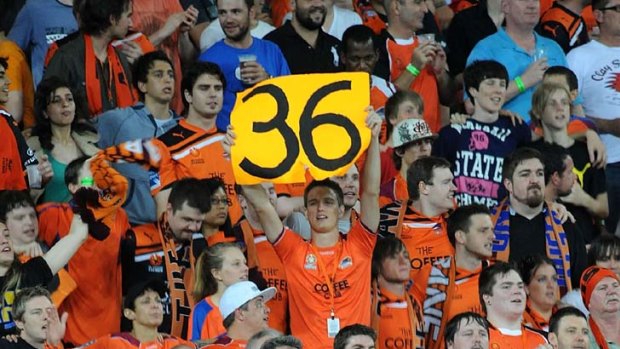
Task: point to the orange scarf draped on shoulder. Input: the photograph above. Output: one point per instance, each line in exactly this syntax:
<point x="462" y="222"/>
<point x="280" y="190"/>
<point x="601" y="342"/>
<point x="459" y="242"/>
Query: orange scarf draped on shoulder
<point x="118" y="87"/>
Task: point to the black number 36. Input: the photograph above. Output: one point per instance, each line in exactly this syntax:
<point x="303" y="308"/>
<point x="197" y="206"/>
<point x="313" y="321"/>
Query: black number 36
<point x="307" y="123"/>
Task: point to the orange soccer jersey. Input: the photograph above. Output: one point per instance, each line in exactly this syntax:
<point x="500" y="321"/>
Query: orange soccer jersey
<point x="526" y="338"/>
<point x="198" y="153"/>
<point x="309" y="294"/>
<point x="96" y="269"/>
<point x="424" y="84"/>
<point x="426" y="238"/>
<point x="260" y="253"/>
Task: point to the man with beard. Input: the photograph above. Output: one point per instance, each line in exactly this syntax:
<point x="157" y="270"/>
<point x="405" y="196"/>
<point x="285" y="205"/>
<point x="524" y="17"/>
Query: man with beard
<point x="525" y="225"/>
<point x="307" y="48"/>
<point x="245" y="60"/>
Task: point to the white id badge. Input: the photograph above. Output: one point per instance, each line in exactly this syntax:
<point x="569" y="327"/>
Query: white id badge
<point x="333" y="326"/>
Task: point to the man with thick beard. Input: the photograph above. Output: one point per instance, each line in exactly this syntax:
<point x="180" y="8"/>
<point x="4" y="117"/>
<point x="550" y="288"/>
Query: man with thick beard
<point x="244" y="60"/>
<point x="525" y="225"/>
<point x="307" y="48"/>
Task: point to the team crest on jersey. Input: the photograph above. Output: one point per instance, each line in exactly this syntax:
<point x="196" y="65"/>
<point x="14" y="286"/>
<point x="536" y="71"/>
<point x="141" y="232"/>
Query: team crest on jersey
<point x="345" y="262"/>
<point x="310" y="262"/>
<point x="194" y="152"/>
<point x="155" y="259"/>
<point x="437" y="229"/>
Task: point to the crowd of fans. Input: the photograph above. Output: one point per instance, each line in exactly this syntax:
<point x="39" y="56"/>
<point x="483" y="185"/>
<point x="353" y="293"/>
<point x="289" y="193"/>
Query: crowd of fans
<point x="483" y="213"/>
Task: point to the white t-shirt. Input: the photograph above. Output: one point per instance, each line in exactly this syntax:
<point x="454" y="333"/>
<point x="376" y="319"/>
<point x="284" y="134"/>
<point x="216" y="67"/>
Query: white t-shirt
<point x="214" y="33"/>
<point x="343" y="19"/>
<point x="598" y="71"/>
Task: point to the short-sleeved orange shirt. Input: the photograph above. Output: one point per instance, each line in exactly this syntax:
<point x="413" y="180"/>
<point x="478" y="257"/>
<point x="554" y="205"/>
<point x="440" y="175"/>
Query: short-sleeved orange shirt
<point x="309" y="296"/>
<point x="526" y="339"/>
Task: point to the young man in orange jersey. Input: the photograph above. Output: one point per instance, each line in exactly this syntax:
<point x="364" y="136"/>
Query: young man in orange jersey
<point x="144" y="308"/>
<point x="262" y="258"/>
<point x="397" y="315"/>
<point x="502" y="295"/>
<point x="470" y="231"/>
<point x="328" y="277"/>
<point x="421" y="221"/>
<point x="194" y="144"/>
<point x="245" y="314"/>
<point x="467" y="331"/>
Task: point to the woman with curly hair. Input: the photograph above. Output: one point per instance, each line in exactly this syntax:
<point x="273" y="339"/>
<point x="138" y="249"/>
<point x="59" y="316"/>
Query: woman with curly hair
<point x="60" y="133"/>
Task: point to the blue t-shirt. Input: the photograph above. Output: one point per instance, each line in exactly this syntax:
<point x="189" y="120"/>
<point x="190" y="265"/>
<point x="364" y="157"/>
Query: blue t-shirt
<point x="477" y="151"/>
<point x="267" y="54"/>
<point x="38" y="24"/>
<point x="502" y="48"/>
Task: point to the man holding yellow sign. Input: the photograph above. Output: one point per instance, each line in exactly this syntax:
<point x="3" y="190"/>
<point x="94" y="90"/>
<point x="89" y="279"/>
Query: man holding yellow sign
<point x="328" y="277"/>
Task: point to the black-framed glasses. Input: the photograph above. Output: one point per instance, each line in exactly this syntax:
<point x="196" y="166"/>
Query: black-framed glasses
<point x="613" y="8"/>
<point x="219" y="201"/>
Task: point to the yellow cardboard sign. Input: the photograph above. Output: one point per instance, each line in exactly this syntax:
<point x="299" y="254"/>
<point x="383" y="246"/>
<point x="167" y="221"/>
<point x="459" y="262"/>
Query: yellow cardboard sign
<point x="286" y="124"/>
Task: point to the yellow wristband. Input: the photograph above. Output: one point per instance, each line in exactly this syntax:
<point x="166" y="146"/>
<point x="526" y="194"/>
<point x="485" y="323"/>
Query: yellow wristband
<point x="413" y="70"/>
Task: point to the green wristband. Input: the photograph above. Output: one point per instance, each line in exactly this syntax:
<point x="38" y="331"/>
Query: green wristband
<point x="87" y="181"/>
<point x="413" y="70"/>
<point x="520" y="84"/>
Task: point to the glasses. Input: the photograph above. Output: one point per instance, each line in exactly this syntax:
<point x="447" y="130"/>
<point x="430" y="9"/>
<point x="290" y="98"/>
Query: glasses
<point x="219" y="201"/>
<point x="615" y="8"/>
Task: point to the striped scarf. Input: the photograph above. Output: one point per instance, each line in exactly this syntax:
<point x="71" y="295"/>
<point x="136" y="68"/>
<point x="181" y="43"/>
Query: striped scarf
<point x="437" y="301"/>
<point x="557" y="244"/>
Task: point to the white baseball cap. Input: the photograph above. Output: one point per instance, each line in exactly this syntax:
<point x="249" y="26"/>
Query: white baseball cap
<point x="240" y="293"/>
<point x="410" y="130"/>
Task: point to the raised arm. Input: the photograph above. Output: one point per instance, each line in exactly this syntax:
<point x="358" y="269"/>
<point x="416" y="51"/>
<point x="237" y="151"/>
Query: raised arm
<point x="58" y="256"/>
<point x="267" y="214"/>
<point x="371" y="179"/>
<point x="257" y="197"/>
